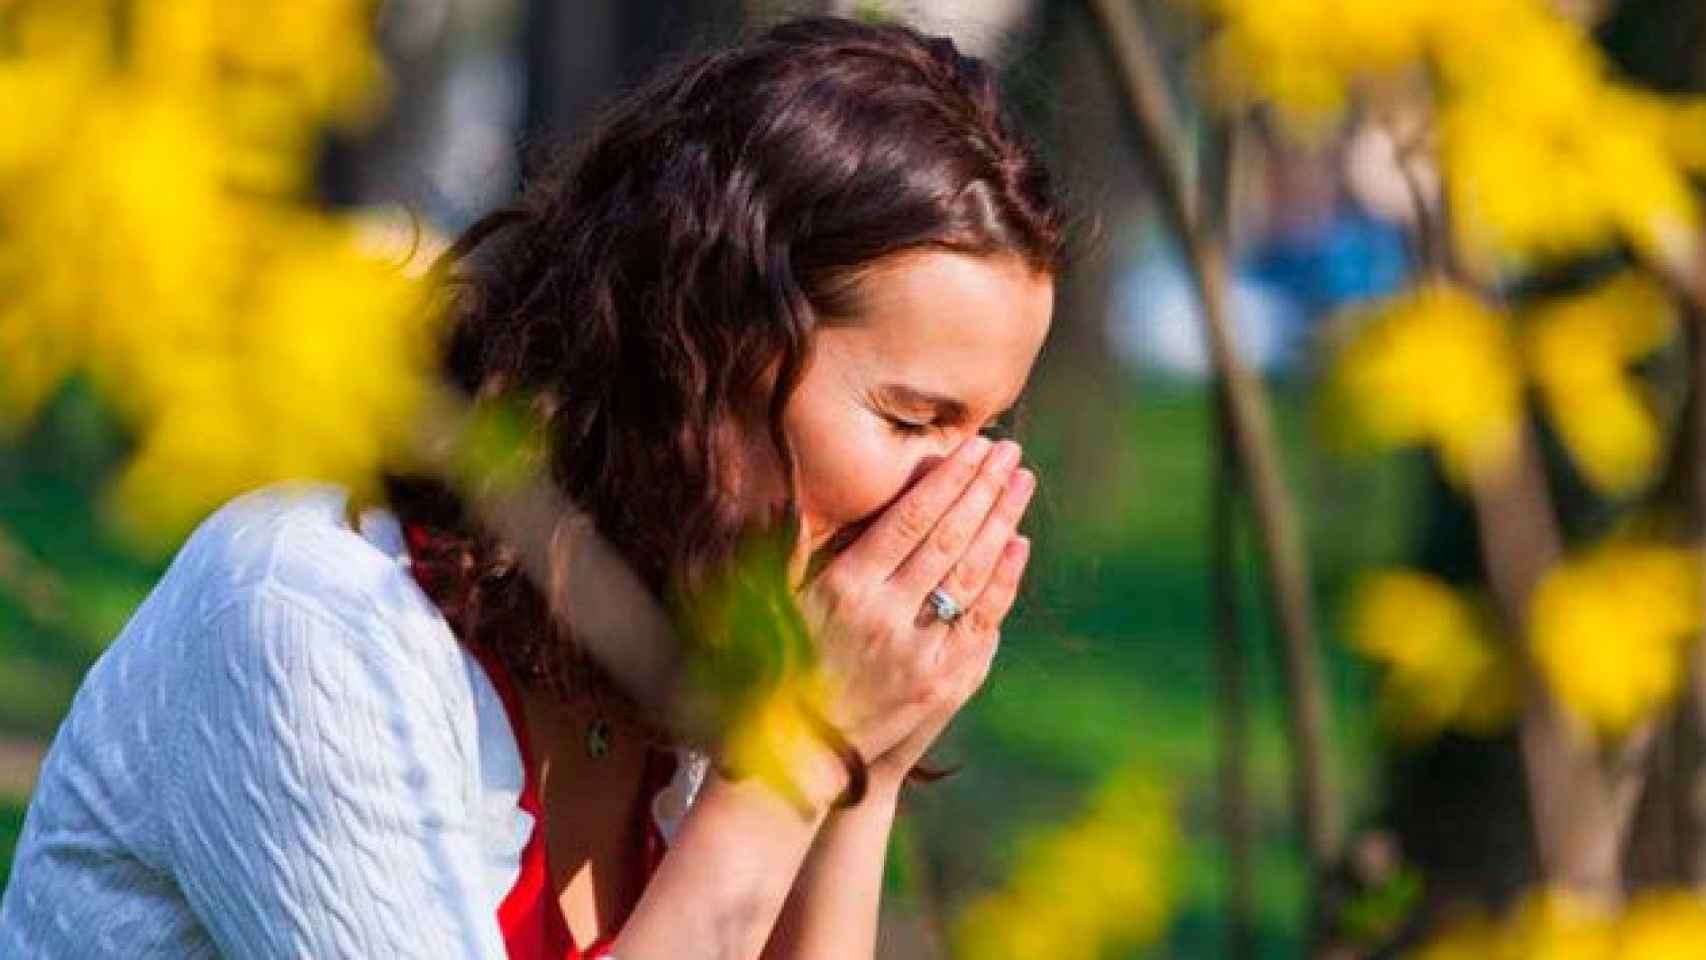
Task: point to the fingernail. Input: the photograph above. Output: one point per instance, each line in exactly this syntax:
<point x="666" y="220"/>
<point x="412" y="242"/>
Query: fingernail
<point x="976" y="449"/>
<point x="1021" y="481"/>
<point x="1006" y="455"/>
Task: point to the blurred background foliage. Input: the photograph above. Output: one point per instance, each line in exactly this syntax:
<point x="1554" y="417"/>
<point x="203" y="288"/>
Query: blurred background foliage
<point x="1464" y="256"/>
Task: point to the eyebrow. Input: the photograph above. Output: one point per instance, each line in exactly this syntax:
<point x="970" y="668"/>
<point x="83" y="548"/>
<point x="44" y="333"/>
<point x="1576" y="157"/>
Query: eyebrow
<point x="948" y="408"/>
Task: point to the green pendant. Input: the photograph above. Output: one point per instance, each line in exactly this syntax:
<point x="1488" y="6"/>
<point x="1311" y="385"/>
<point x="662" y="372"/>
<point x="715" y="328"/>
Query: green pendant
<point x="598" y="739"/>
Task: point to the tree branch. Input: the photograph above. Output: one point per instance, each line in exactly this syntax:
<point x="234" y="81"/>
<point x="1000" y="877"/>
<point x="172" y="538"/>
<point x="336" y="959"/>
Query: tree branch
<point x="1150" y="105"/>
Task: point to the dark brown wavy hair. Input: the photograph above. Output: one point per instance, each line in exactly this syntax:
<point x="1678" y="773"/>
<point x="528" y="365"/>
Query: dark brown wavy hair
<point x="652" y="298"/>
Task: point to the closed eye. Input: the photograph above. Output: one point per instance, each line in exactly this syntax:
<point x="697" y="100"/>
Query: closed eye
<point x="909" y="428"/>
<point x="997" y="428"/>
<point x="1002" y="427"/>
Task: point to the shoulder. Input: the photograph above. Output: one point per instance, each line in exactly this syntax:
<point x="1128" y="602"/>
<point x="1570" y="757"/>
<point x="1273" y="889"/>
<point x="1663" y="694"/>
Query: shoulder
<point x="292" y="540"/>
<point x="286" y="599"/>
<point x="291" y="548"/>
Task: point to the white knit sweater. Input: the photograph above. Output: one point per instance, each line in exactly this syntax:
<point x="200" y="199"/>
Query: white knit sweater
<point x="286" y="753"/>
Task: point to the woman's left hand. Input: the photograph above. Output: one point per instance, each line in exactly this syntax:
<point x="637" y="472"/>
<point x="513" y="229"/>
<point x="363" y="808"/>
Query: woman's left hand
<point x="984" y="581"/>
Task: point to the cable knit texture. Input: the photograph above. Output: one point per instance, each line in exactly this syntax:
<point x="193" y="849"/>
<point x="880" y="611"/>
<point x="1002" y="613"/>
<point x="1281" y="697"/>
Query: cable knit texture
<point x="285" y="753"/>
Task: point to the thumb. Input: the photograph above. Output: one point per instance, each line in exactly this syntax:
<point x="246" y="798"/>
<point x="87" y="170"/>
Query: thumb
<point x="794" y="532"/>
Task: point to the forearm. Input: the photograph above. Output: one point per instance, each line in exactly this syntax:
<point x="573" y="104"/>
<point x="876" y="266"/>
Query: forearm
<point x="718" y="891"/>
<point x="831" y="913"/>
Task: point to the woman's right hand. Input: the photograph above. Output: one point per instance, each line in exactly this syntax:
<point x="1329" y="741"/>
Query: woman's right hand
<point x="899" y="672"/>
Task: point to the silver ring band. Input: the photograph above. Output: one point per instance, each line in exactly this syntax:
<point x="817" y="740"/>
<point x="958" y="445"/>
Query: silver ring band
<point x="947" y="609"/>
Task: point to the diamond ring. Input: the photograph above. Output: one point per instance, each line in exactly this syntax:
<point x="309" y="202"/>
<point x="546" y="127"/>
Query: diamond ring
<point x="946" y="607"/>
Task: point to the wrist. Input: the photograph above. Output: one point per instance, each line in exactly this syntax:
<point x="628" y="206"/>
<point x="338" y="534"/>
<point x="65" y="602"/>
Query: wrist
<point x="806" y="794"/>
<point x="823" y="778"/>
<point x="881" y="801"/>
<point x="885" y="784"/>
<point x="812" y="780"/>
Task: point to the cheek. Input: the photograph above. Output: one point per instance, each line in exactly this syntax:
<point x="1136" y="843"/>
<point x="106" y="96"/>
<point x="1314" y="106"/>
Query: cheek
<point x="848" y="466"/>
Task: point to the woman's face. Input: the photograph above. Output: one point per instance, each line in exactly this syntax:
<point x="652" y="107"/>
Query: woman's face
<point x="939" y="348"/>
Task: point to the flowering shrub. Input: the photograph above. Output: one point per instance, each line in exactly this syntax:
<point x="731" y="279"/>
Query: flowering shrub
<point x="161" y="237"/>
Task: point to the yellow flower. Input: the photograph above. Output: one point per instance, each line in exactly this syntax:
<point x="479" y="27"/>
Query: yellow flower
<point x="121" y="255"/>
<point x="245" y="343"/>
<point x="1473" y="937"/>
<point x="1082" y="889"/>
<point x="318" y="53"/>
<point x="1430" y="366"/>
<point x="1515" y="45"/>
<point x="1544" y="155"/>
<point x="1579" y="350"/>
<point x="1444" y="665"/>
<point x="43" y="99"/>
<point x="1433" y="366"/>
<point x="156" y="237"/>
<point x="1682" y="124"/>
<point x="1610" y="630"/>
<point x="1304" y="55"/>
<point x="1557" y="925"/>
<point x="272" y="73"/>
<point x="1532" y="185"/>
<point x="1662" y="925"/>
<point x="323" y="379"/>
<point x="325" y="45"/>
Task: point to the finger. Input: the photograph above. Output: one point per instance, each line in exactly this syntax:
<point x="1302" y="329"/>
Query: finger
<point x="799" y="557"/>
<point x="966" y="580"/>
<point x="906" y="522"/>
<point x="977" y="671"/>
<point x="991" y="606"/>
<point x="947" y="542"/>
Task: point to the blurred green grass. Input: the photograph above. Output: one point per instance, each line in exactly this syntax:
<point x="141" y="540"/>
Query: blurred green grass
<point x="1107" y="662"/>
<point x="50" y="479"/>
<point x="11" y="824"/>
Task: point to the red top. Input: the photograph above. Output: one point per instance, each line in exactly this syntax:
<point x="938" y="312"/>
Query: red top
<point x="531" y="921"/>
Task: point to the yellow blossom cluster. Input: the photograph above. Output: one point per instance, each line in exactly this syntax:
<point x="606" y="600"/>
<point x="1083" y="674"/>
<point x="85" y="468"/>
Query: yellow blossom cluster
<point x="1553" y="925"/>
<point x="1545" y="155"/>
<point x="1435" y="366"/>
<point x="1578" y="350"/>
<point x="1083" y="889"/>
<point x="1444" y="663"/>
<point x="1304" y="55"/>
<point x="1543" y="152"/>
<point x="1662" y="925"/>
<point x="1610" y="630"/>
<point x="157" y="234"/>
<point x="1430" y="366"/>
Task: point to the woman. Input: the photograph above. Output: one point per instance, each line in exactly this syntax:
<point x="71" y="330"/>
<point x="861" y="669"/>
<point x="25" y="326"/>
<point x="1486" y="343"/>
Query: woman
<point x="795" y="278"/>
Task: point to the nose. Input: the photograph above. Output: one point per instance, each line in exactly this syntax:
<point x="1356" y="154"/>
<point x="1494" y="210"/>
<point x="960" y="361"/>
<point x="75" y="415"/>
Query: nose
<point x="941" y="450"/>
